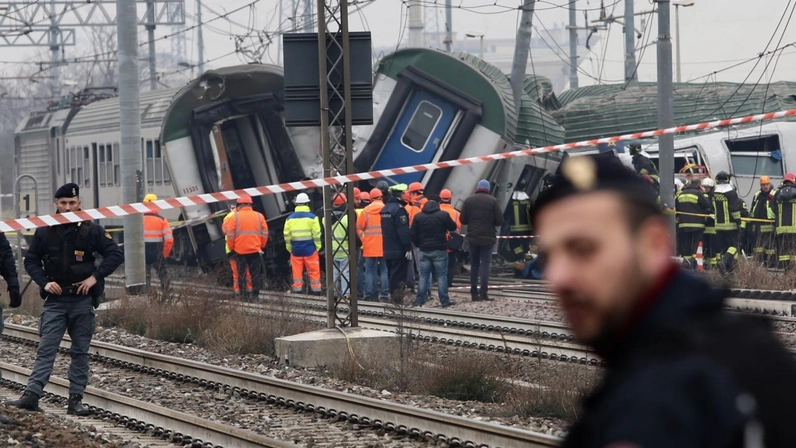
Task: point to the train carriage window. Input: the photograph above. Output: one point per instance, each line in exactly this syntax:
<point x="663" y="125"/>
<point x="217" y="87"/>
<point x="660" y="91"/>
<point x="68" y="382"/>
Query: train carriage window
<point x="422" y="124"/>
<point x="86" y="168"/>
<point x="58" y="155"/>
<point x="158" y="164"/>
<point x="72" y="164"/>
<point x="101" y="166"/>
<point x="756" y="156"/>
<point x="150" y="163"/>
<point x="116" y="167"/>
<point x="166" y="173"/>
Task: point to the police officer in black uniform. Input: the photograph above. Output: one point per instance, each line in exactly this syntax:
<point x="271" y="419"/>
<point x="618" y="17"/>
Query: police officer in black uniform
<point x="8" y="270"/>
<point x="61" y="261"/>
<point x="682" y="371"/>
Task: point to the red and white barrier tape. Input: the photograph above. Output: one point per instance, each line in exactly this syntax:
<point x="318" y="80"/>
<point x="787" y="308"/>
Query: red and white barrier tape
<point x="208" y="198"/>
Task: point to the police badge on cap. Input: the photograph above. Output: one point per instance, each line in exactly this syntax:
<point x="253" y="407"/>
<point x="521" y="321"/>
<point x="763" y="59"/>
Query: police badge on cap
<point x="70" y="190"/>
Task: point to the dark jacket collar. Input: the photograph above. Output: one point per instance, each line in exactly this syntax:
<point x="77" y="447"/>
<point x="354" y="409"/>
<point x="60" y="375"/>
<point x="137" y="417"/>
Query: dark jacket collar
<point x="675" y="298"/>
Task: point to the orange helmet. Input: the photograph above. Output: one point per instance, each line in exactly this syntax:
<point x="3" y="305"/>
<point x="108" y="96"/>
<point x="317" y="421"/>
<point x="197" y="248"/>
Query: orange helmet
<point x="365" y="196"/>
<point x="765" y="180"/>
<point x="357" y="193"/>
<point x="340" y="199"/>
<point x="375" y="194"/>
<point x="445" y="195"/>
<point x="415" y="187"/>
<point x="244" y="199"/>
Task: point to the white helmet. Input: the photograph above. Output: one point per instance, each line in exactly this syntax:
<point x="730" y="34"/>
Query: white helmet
<point x="708" y="182"/>
<point x="678" y="183"/>
<point x="302" y="198"/>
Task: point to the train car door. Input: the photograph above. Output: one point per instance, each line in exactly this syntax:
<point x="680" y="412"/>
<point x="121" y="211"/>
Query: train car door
<point x="417" y="135"/>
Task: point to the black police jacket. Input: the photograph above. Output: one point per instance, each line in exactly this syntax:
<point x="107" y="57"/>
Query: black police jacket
<point x="430" y="228"/>
<point x="395" y="230"/>
<point x="690" y="374"/>
<point x="98" y="240"/>
<point x="8" y="268"/>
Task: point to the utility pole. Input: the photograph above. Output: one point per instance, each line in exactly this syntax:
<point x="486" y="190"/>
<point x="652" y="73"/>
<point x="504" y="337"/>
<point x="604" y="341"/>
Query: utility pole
<point x="54" y="40"/>
<point x="201" y="42"/>
<point x="630" y="45"/>
<point x="665" y="108"/>
<point x="150" y="29"/>
<point x="448" y="25"/>
<point x="573" y="45"/>
<point x="415" y="24"/>
<point x="129" y="99"/>
<point x="521" y="49"/>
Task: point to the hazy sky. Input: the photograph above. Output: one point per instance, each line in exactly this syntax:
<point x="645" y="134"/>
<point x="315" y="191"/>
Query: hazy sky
<point x="715" y="33"/>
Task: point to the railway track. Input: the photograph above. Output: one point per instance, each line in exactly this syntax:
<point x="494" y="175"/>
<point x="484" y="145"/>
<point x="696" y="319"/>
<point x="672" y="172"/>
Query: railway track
<point x="389" y="416"/>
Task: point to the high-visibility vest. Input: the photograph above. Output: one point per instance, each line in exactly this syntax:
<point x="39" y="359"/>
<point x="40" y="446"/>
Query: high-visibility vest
<point x="369" y="230"/>
<point x="158" y="231"/>
<point x="761" y="209"/>
<point x="302" y="232"/>
<point x="448" y="208"/>
<point x="339" y="237"/>
<point x="246" y="231"/>
<point x="412" y="210"/>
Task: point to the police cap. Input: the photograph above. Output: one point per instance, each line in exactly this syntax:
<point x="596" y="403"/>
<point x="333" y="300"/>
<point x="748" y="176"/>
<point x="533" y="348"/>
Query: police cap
<point x="69" y="190"/>
<point x="593" y="173"/>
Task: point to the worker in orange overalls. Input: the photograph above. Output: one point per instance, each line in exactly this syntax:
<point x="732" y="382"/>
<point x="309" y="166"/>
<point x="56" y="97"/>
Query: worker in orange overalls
<point x="454" y="238"/>
<point x="369" y="231"/>
<point x="233" y="262"/>
<point x="246" y="231"/>
<point x="303" y="240"/>
<point x="158" y="242"/>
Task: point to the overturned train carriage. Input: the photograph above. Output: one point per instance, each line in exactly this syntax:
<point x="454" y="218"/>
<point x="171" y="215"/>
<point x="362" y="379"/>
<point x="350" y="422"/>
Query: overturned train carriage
<point x="224" y="131"/>
<point x="431" y="106"/>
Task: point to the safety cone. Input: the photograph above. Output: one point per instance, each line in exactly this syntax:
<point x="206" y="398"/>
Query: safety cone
<point x="700" y="266"/>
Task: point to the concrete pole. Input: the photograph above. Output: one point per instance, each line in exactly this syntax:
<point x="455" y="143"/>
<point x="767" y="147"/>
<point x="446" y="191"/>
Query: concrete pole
<point x="150" y="31"/>
<point x="630" y="44"/>
<point x="521" y="49"/>
<point x="665" y="108"/>
<point x="200" y="39"/>
<point x="415" y="24"/>
<point x="448" y="25"/>
<point x="677" y="24"/>
<point x="129" y="98"/>
<point x="54" y="38"/>
<point x="573" y="46"/>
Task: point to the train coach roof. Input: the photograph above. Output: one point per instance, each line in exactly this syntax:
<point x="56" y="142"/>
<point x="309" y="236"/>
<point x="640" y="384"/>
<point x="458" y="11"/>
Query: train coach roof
<point x="601" y="111"/>
<point x="104" y="116"/>
<point x="42" y="120"/>
<point x="217" y="85"/>
<point x="481" y="82"/>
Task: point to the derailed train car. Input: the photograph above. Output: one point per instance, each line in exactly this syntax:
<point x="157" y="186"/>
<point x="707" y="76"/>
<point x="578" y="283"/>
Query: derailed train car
<point x="431" y="106"/>
<point x="224" y="131"/>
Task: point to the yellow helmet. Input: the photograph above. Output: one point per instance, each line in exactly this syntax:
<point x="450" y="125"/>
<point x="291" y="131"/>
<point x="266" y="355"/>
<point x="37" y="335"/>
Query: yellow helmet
<point x="150" y="197"/>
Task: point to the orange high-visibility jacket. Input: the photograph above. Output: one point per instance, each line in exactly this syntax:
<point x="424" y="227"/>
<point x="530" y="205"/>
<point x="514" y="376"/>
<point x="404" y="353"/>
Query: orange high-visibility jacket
<point x="454" y="214"/>
<point x="369" y="230"/>
<point x="158" y="231"/>
<point x="246" y="231"/>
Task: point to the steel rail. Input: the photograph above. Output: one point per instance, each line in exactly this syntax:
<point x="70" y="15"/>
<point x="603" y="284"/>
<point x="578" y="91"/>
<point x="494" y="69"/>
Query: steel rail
<point x="358" y="409"/>
<point x="183" y="427"/>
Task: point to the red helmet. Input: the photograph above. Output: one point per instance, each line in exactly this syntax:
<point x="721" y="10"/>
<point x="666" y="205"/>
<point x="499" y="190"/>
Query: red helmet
<point x="340" y="199"/>
<point x="790" y="177"/>
<point x="244" y="199"/>
<point x="376" y="194"/>
<point x="445" y="195"/>
<point x="415" y="187"/>
<point x="357" y="193"/>
<point x="365" y="196"/>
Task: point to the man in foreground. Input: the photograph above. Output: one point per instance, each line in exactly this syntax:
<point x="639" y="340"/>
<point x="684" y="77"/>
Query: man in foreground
<point x="60" y="260"/>
<point x="682" y="371"/>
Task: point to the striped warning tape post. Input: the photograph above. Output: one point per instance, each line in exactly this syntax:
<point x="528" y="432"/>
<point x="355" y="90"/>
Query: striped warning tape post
<point x="208" y="198"/>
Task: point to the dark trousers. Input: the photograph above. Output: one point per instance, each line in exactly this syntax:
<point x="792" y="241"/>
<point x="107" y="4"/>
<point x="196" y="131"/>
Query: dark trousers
<point x="725" y="239"/>
<point x="398" y="268"/>
<point x="762" y="243"/>
<point x="254" y="263"/>
<point x="688" y="242"/>
<point x="480" y="260"/>
<point x="64" y="314"/>
<point x="160" y="267"/>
